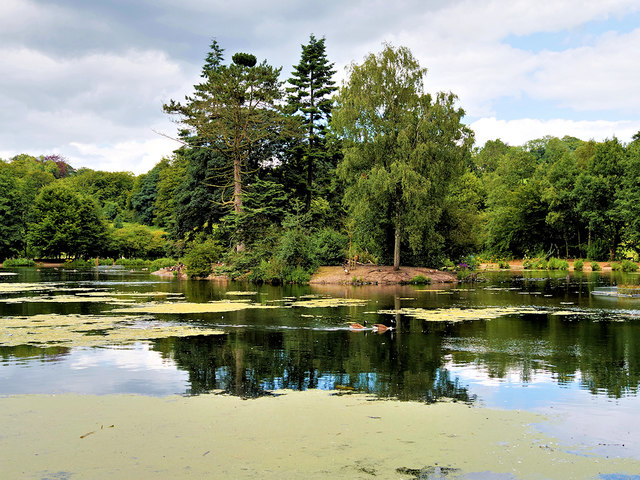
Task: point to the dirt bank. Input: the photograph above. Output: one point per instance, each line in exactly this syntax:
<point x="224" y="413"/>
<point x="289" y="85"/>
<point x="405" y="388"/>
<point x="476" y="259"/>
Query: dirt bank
<point x="379" y="275"/>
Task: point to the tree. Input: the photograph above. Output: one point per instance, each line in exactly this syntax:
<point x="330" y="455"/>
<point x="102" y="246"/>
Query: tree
<point x="235" y="112"/>
<point x="12" y="226"/>
<point x="309" y="96"/>
<point x="144" y="195"/>
<point x="402" y="148"/>
<point x="66" y="222"/>
<point x="595" y="190"/>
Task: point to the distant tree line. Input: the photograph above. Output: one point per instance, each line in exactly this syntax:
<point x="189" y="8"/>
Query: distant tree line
<point x="275" y="178"/>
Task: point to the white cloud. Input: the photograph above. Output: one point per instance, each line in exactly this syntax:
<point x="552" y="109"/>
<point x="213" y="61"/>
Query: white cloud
<point x="518" y="132"/>
<point x="88" y="80"/>
<point x="601" y="77"/>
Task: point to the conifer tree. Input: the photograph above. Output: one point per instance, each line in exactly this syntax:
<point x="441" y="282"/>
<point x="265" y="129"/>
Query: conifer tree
<point x="309" y="96"/>
<point x="235" y="113"/>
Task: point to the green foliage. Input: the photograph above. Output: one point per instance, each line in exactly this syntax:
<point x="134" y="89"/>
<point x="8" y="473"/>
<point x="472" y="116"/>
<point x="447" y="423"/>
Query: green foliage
<point x="18" y="262"/>
<point x="578" y="265"/>
<point x="598" y="250"/>
<point x="12" y="212"/>
<point x="402" y="148"/>
<point x="309" y="97"/>
<point x="144" y="195"/>
<point x="557" y="264"/>
<point x="331" y="247"/>
<point x="141" y="263"/>
<point x="420" y="280"/>
<point x="537" y="263"/>
<point x="138" y="241"/>
<point x="66" y="222"/>
<point x="616" y="267"/>
<point x="504" y="264"/>
<point x="595" y="266"/>
<point x="235" y="113"/>
<point x="629" y="266"/>
<point x="200" y="256"/>
<point x="77" y="263"/>
<point x="244" y="59"/>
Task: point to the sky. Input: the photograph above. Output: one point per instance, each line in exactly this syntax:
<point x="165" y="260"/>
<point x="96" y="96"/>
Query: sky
<point x="86" y="79"/>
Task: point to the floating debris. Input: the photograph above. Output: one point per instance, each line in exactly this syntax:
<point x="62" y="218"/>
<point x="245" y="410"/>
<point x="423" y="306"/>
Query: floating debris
<point x="237" y="292"/>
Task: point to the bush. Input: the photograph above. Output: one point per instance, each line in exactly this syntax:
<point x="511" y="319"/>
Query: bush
<point x="557" y="264"/>
<point x="504" y="264"/>
<point x="200" y="256"/>
<point x="161" y="263"/>
<point x="616" y="267"/>
<point x="598" y="250"/>
<point x="330" y="247"/>
<point x="420" y="280"/>
<point x="578" y="265"/>
<point x="19" y="262"/>
<point x="595" y="266"/>
<point x="629" y="266"/>
<point x="77" y="263"/>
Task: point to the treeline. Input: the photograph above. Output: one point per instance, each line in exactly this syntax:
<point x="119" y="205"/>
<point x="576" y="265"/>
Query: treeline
<point x="50" y="210"/>
<point x="274" y="179"/>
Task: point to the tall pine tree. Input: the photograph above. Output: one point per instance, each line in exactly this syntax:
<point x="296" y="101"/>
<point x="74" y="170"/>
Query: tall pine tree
<point x="309" y="97"/>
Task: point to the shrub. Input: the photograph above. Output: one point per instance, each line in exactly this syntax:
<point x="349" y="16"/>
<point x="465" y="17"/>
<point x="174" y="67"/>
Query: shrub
<point x="330" y="247"/>
<point x="420" y="280"/>
<point x="504" y="264"/>
<point x="595" y="266"/>
<point x="578" y="265"/>
<point x="200" y="256"/>
<point x="161" y="263"/>
<point x="527" y="264"/>
<point x="557" y="264"/>
<point x="77" y="263"/>
<point x="629" y="266"/>
<point x="616" y="267"/>
<point x="18" y="262"/>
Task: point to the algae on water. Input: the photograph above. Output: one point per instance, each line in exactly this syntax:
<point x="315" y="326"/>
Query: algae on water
<point x="186" y="307"/>
<point x="460" y="314"/>
<point x="329" y="302"/>
<point x="88" y="330"/>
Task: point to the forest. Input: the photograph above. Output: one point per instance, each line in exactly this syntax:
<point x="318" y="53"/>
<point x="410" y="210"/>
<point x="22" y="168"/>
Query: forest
<point x="272" y="178"/>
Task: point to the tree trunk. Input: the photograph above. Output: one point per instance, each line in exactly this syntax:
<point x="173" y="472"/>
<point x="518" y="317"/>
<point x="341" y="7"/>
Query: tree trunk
<point x="396" y="250"/>
<point x="237" y="194"/>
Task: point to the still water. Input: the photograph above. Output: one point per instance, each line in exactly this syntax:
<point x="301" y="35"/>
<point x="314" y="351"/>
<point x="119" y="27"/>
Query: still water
<point x="569" y="352"/>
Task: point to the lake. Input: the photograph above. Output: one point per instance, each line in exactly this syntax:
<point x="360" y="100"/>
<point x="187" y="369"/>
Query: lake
<point x="538" y="342"/>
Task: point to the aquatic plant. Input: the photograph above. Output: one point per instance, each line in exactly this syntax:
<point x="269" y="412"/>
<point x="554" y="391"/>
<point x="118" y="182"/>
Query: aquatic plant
<point x="629" y="266"/>
<point x="578" y="265"/>
<point x="19" y="262"/>
<point x="595" y="266"/>
<point x="420" y="280"/>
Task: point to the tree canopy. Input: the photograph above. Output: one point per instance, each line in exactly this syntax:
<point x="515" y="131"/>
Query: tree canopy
<point x="402" y="148"/>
